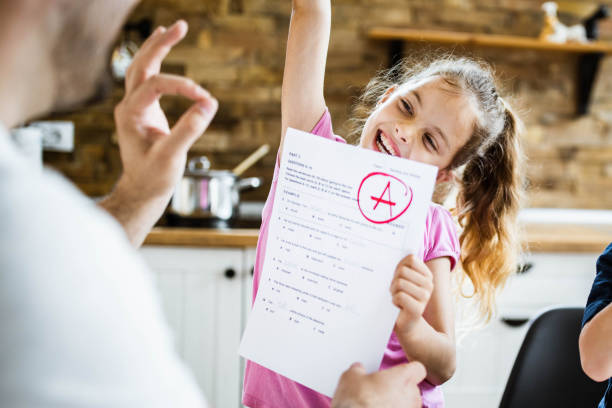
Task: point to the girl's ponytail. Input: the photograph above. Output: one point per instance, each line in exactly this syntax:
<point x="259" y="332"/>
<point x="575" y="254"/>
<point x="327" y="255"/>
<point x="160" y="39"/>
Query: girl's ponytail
<point x="488" y="203"/>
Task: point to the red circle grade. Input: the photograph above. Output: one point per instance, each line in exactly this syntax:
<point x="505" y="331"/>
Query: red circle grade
<point x="406" y="190"/>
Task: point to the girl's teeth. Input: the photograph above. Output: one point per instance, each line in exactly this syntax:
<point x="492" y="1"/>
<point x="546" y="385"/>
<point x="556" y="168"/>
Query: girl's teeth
<point x="383" y="144"/>
<point x="389" y="148"/>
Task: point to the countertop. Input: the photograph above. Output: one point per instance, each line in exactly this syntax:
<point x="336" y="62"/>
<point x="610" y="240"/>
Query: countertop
<point x="204" y="237"/>
<point x="539" y="237"/>
<point x="567" y="238"/>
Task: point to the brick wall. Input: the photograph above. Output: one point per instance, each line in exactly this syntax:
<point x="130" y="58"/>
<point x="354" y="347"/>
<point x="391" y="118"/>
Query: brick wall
<point x="235" y="48"/>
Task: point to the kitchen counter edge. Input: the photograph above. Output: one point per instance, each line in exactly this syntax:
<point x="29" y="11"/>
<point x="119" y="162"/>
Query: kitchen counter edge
<point x="539" y="238"/>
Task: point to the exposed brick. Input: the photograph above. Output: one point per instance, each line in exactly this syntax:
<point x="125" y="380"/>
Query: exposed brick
<point x="236" y="49"/>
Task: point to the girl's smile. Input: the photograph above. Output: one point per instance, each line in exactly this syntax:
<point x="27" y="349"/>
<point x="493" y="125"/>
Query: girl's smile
<point x="385" y="144"/>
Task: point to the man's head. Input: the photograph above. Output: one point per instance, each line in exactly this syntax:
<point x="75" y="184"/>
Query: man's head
<point x="55" y="53"/>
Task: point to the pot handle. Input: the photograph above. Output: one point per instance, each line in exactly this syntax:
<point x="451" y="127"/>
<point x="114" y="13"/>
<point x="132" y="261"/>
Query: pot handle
<point x="249" y="183"/>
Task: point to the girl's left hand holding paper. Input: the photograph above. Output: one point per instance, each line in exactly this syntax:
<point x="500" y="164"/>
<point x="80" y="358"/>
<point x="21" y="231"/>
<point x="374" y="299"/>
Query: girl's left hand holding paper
<point x="411" y="290"/>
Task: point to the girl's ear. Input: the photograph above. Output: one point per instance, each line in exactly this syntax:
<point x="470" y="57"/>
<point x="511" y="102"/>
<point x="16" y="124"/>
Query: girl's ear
<point x="386" y="95"/>
<point x="445" y="176"/>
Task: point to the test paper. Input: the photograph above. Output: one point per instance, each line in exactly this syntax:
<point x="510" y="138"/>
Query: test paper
<point x="343" y="218"/>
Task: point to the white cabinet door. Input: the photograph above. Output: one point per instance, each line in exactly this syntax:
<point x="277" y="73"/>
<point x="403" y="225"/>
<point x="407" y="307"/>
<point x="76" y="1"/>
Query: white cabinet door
<point x="247" y="296"/>
<point x="201" y="293"/>
<point x="247" y="293"/>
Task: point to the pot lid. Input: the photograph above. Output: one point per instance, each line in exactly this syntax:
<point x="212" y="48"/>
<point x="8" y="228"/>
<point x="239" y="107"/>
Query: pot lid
<point x="197" y="166"/>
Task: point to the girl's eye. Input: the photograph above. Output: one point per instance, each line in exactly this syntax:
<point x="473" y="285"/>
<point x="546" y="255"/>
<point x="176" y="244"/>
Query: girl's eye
<point x="407" y="108"/>
<point x="429" y="140"/>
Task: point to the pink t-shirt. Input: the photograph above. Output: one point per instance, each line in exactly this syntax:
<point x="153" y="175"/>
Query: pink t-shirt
<point x="264" y="388"/>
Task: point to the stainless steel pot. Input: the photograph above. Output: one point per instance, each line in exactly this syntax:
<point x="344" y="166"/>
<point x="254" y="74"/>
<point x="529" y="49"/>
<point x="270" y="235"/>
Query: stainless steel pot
<point x="209" y="194"/>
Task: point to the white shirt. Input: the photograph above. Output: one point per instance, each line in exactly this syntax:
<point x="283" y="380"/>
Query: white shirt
<point x="80" y="321"/>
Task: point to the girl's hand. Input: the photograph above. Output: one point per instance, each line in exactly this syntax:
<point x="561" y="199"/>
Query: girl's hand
<point x="411" y="289"/>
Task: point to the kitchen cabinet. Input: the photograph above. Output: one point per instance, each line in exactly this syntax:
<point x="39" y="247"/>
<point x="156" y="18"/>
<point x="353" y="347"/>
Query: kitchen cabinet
<point x="485" y="356"/>
<point x="203" y="294"/>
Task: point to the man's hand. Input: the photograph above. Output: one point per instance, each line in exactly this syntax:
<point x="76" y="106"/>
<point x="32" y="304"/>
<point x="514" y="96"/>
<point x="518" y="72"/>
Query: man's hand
<point x="153" y="155"/>
<point x="411" y="289"/>
<point x="395" y="387"/>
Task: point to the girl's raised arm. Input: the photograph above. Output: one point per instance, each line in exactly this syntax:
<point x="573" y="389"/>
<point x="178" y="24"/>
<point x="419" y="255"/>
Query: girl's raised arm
<point x="302" y="101"/>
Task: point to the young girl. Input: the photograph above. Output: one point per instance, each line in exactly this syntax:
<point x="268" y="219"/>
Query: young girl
<point x="447" y="114"/>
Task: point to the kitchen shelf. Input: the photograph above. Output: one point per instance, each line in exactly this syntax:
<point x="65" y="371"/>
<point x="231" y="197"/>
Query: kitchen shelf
<point x="485" y="40"/>
<point x="589" y="54"/>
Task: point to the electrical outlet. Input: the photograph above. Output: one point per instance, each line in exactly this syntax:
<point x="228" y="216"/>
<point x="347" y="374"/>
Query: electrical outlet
<point x="56" y="135"/>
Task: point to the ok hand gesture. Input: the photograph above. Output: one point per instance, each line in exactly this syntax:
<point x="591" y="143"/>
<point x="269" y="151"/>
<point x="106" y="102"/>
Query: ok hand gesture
<point x="153" y="154"/>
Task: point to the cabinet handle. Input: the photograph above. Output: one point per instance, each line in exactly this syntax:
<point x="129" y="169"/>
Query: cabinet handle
<point x="230" y="273"/>
<point x="524" y="268"/>
<point x="252" y="270"/>
<point x="514" y="322"/>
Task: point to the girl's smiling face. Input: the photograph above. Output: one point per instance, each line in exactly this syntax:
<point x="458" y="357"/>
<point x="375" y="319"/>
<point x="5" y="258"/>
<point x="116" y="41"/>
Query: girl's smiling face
<point x="428" y="122"/>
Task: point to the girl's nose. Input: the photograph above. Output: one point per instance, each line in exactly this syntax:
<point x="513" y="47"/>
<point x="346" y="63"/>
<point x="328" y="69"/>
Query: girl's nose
<point x="404" y="133"/>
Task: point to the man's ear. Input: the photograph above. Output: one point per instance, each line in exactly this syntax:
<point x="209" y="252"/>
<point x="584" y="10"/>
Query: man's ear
<point x="387" y="94"/>
<point x="445" y="176"/>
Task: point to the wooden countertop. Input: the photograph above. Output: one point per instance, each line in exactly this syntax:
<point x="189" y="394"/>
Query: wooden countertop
<point x="567" y="238"/>
<point x="203" y="237"/>
<point x="540" y="237"/>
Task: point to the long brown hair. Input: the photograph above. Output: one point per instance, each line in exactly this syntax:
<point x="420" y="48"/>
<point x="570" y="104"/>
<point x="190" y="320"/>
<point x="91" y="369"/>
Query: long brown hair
<point x="489" y="170"/>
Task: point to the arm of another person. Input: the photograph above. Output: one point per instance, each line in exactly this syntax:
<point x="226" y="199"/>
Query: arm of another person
<point x="425" y="325"/>
<point x="302" y="101"/>
<point x="395" y="387"/>
<point x="596" y="345"/>
<point x="153" y="154"/>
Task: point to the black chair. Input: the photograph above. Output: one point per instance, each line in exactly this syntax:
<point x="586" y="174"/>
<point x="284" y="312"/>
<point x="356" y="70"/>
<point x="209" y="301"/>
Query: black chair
<point x="547" y="371"/>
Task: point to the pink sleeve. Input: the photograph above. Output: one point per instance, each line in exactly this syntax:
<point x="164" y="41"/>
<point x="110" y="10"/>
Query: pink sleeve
<point x="442" y="239"/>
<point x="324" y="129"/>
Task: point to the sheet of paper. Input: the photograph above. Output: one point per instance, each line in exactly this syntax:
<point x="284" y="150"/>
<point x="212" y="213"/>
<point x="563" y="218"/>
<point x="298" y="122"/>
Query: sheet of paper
<point x="343" y="218"/>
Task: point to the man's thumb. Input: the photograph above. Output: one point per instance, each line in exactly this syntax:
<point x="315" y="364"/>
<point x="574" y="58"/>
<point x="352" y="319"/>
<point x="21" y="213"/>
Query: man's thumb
<point x="413" y="372"/>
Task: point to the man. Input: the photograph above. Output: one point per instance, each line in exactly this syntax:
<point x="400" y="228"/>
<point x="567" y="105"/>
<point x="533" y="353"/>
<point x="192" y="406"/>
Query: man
<point x="81" y="325"/>
<point x="596" y="336"/>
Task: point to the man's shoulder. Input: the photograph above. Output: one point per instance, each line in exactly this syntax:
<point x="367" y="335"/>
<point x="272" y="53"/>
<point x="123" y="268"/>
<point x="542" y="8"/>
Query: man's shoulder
<point x="72" y="283"/>
<point x="48" y="223"/>
<point x="47" y="205"/>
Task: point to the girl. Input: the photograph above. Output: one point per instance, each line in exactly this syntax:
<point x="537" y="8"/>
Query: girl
<point x="447" y="114"/>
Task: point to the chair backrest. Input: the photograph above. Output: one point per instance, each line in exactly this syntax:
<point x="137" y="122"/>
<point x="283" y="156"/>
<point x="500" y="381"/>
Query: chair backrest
<point x="547" y="371"/>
